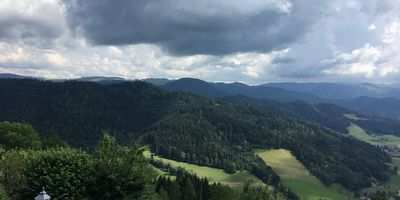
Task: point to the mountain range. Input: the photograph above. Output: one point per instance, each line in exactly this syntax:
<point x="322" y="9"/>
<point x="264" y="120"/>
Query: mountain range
<point x="191" y="128"/>
<point x="373" y="100"/>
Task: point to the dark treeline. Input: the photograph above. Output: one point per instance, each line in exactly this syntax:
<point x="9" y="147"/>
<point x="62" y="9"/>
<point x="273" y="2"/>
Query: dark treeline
<point x="188" y="128"/>
<point x="191" y="187"/>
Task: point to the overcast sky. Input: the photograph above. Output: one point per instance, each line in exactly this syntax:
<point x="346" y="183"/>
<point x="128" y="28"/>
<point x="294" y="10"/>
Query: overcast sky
<point x="251" y="41"/>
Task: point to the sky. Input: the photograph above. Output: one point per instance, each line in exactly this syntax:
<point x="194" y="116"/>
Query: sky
<point x="250" y="41"/>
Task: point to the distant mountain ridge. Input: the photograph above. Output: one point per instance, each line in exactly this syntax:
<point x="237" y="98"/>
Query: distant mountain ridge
<point x="195" y="86"/>
<point x="157" y="81"/>
<point x="266" y="92"/>
<point x="343" y="95"/>
<point x="364" y="98"/>
<point x="388" y="107"/>
<point x="340" y="90"/>
<point x="16" y="76"/>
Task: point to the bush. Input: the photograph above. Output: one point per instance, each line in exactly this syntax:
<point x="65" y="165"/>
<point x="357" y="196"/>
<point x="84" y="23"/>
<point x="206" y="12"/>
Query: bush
<point x="63" y="172"/>
<point x="3" y="194"/>
<point x="18" y="135"/>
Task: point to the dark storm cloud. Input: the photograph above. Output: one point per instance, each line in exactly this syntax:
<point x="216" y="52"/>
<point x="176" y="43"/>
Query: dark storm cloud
<point x="31" y="31"/>
<point x="192" y="27"/>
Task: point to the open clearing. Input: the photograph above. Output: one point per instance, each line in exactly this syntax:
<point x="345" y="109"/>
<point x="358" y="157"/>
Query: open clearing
<point x="295" y="176"/>
<point x="380" y="140"/>
<point x="353" y="117"/>
<point x="213" y="175"/>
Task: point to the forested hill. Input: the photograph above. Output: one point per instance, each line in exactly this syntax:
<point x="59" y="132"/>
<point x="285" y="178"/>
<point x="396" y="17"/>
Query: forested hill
<point x="324" y="114"/>
<point x="188" y="128"/>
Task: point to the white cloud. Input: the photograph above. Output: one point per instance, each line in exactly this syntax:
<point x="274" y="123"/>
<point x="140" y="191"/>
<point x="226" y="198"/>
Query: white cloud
<point x="391" y="32"/>
<point x="115" y="51"/>
<point x="352" y="40"/>
<point x="56" y="59"/>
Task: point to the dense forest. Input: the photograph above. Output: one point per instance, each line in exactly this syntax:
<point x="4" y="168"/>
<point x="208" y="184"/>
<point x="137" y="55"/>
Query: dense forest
<point x="28" y="163"/>
<point x="188" y="128"/>
<point x="323" y="114"/>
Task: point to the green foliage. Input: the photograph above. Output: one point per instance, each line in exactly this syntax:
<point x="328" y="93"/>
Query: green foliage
<point x="222" y="192"/>
<point x="189" y="128"/>
<point x="295" y="176"/>
<point x="11" y="168"/>
<point x="187" y="186"/>
<point x="63" y="172"/>
<point x="188" y="192"/>
<point x="171" y="167"/>
<point x="3" y="194"/>
<point x="120" y="172"/>
<point x="114" y="172"/>
<point x="18" y="135"/>
<point x="52" y="140"/>
<point x="258" y="193"/>
<point x="226" y="134"/>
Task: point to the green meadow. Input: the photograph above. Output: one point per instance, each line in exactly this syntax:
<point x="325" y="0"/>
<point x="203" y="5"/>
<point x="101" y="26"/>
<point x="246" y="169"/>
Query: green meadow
<point x="213" y="175"/>
<point x="380" y="140"/>
<point x="297" y="177"/>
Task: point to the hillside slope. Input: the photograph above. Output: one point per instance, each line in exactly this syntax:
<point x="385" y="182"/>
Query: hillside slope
<point x="195" y="86"/>
<point x="324" y="114"/>
<point x="188" y="128"/>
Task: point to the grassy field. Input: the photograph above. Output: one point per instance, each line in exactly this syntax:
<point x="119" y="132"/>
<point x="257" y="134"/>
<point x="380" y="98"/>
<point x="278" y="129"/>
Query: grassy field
<point x="353" y="117"/>
<point x="214" y="175"/>
<point x="295" y="176"/>
<point x="360" y="134"/>
<point x="380" y="140"/>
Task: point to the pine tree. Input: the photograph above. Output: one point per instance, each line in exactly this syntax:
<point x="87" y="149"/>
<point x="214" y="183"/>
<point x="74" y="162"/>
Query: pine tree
<point x="188" y="192"/>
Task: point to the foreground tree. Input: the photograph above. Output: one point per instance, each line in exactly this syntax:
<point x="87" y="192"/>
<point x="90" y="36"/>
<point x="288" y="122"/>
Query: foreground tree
<point x="121" y="173"/>
<point x="18" y="135"/>
<point x="3" y="193"/>
<point x="63" y="172"/>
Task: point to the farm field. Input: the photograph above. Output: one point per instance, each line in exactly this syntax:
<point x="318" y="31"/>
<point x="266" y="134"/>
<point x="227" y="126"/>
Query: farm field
<point x="380" y="140"/>
<point x="213" y="175"/>
<point x="295" y="176"/>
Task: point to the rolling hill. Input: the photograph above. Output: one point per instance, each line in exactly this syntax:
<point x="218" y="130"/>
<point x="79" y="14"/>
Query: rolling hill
<point x="188" y="128"/>
<point x="195" y="86"/>
<point x="339" y="90"/>
<point x="15" y="76"/>
<point x="203" y="88"/>
<point x="324" y="114"/>
<point x="266" y="92"/>
<point x="385" y="107"/>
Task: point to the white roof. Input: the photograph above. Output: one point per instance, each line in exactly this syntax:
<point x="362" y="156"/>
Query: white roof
<point x="42" y="196"/>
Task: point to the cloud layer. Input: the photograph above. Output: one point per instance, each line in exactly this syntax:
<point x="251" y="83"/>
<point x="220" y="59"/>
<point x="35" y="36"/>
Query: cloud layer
<point x="196" y="27"/>
<point x="252" y="41"/>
